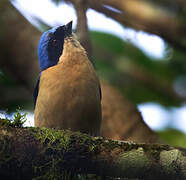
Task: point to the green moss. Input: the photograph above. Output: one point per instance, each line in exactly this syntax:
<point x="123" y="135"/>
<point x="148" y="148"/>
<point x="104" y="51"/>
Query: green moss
<point x="53" y="138"/>
<point x="56" y="153"/>
<point x="49" y="165"/>
<point x="58" y="147"/>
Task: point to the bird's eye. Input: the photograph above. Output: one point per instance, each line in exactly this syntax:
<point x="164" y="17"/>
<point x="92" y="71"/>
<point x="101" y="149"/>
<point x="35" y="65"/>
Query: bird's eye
<point x="55" y="42"/>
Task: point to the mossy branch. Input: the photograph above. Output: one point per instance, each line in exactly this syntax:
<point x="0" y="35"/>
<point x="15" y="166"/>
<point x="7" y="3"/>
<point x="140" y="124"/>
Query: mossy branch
<point x="27" y="153"/>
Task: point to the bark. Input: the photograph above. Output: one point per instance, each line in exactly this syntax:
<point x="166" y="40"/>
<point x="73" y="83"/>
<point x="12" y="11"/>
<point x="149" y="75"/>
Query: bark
<point x="27" y="153"/>
<point x="82" y="26"/>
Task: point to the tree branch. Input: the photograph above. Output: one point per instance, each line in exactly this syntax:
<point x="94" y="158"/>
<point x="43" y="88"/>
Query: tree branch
<point x="82" y="27"/>
<point x="147" y="16"/>
<point x="40" y="153"/>
<point x="150" y="17"/>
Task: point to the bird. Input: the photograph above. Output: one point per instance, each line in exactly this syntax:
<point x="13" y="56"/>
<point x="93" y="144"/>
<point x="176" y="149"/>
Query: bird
<point x="67" y="94"/>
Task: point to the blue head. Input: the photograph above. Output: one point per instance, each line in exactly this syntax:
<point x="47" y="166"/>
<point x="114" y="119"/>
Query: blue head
<point x="51" y="45"/>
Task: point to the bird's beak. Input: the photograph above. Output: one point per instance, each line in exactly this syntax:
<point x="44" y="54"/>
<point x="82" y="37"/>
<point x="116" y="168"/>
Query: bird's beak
<point x="68" y="29"/>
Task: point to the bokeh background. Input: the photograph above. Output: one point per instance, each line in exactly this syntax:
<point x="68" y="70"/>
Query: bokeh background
<point x="138" y="48"/>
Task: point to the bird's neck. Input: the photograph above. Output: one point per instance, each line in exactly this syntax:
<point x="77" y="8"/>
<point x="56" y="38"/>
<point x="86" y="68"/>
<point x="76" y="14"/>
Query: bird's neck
<point x="72" y="51"/>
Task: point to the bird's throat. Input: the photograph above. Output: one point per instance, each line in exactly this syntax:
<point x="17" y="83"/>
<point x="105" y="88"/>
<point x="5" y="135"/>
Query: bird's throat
<point x="73" y="51"/>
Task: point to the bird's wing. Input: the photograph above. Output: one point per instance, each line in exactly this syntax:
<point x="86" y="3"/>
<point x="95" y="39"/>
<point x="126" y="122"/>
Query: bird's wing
<point x="100" y="91"/>
<point x="36" y="90"/>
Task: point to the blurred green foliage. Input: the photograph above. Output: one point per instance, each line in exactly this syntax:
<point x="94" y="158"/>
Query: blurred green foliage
<point x="140" y="77"/>
<point x="10" y="100"/>
<point x="6" y="80"/>
<point x="173" y="137"/>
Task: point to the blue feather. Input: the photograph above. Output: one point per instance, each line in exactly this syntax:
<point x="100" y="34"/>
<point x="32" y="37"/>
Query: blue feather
<point x="51" y="45"/>
<point x="48" y="53"/>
